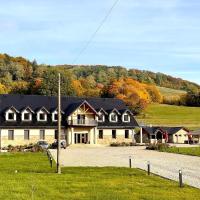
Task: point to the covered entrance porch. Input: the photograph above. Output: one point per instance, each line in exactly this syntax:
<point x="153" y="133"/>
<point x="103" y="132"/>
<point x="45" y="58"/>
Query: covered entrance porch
<point x="82" y="135"/>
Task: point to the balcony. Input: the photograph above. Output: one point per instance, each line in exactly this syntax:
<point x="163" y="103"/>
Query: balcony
<point x="82" y="122"/>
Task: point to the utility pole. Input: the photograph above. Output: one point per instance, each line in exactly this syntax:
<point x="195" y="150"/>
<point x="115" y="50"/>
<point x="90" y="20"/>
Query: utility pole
<point x="59" y="127"/>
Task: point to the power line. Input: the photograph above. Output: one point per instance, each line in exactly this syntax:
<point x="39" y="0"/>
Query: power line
<point x="96" y="31"/>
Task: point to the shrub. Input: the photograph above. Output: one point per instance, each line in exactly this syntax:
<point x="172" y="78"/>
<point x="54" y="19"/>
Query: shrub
<point x="158" y="146"/>
<point x="24" y="148"/>
<point x="122" y="144"/>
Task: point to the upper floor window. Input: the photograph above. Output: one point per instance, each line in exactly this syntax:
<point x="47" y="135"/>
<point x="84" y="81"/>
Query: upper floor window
<point x="11" y="114"/>
<point x="55" y="116"/>
<point x="27" y="114"/>
<point x="113" y="117"/>
<point x="42" y="115"/>
<point x="126" y="118"/>
<point x="101" y="117"/>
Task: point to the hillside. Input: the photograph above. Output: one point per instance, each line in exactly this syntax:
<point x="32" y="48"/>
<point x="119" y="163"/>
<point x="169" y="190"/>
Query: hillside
<point x="21" y="69"/>
<point x="168" y="115"/>
<point x="103" y="74"/>
<point x="137" y="88"/>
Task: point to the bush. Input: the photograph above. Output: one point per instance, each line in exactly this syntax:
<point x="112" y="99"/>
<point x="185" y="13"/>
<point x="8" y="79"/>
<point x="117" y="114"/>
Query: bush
<point x="122" y="144"/>
<point x="24" y="148"/>
<point x="159" y="146"/>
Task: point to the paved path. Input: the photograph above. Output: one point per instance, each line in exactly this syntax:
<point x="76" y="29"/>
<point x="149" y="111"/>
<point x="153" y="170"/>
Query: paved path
<point x="163" y="164"/>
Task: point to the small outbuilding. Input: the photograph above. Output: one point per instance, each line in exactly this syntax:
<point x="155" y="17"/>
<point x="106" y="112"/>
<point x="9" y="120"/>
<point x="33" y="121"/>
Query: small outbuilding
<point x="196" y="136"/>
<point x="166" y="134"/>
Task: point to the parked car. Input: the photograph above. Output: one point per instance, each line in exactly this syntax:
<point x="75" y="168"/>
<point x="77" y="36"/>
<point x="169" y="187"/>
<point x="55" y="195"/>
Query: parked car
<point x="43" y="144"/>
<point x="63" y="144"/>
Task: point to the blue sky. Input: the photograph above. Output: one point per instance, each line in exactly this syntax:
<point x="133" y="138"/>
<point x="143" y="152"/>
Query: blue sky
<point x="156" y="35"/>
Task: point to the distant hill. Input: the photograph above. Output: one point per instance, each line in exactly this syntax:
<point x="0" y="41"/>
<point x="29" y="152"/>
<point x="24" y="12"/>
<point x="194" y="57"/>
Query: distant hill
<point x="18" y="72"/>
<point x="104" y="73"/>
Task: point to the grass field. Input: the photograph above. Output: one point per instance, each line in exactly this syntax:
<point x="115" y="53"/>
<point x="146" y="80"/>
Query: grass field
<point x="192" y="151"/>
<point x="169" y="115"/>
<point x="35" y="180"/>
<point x="168" y="92"/>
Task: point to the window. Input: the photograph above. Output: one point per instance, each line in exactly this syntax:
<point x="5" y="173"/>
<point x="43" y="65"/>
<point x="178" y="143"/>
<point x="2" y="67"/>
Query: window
<point x="126" y="118"/>
<point x="153" y="137"/>
<point x="10" y="134"/>
<point x="100" y="134"/>
<point x="101" y="118"/>
<point x="11" y="116"/>
<point x="113" y="117"/>
<point x="26" y="135"/>
<point x="56" y="134"/>
<point x="114" y="134"/>
<point x="26" y="116"/>
<point x="80" y="119"/>
<point x="55" y="117"/>
<point x="42" y="134"/>
<point x="42" y="117"/>
<point x="126" y="133"/>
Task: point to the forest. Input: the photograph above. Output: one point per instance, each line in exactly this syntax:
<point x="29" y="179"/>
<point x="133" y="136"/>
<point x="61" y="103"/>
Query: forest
<point x="137" y="88"/>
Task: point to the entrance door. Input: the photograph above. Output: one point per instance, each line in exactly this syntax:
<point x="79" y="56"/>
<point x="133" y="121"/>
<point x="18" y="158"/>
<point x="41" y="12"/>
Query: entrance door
<point x="81" y="138"/>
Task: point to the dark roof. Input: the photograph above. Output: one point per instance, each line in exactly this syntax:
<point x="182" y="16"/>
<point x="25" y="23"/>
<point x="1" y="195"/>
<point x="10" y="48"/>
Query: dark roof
<point x="169" y="130"/>
<point x="197" y="132"/>
<point x="68" y="104"/>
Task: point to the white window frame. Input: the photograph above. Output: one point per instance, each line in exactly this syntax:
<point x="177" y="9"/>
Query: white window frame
<point x="53" y="116"/>
<point x="110" y="117"/>
<point x="128" y="117"/>
<point x="103" y="120"/>
<point x="13" y="112"/>
<point x="26" y="112"/>
<point x="38" y="116"/>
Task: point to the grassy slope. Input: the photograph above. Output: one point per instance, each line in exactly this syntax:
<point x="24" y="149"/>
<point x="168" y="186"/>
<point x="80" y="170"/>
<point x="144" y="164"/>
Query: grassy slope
<point x="36" y="180"/>
<point x="168" y="115"/>
<point x="170" y="92"/>
<point x="193" y="151"/>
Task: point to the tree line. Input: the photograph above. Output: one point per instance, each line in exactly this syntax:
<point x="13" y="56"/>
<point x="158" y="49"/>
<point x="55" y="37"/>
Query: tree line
<point x="135" y="87"/>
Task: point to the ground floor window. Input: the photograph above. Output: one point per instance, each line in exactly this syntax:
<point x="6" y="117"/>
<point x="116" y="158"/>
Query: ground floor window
<point x="114" y="134"/>
<point x="126" y="133"/>
<point x="26" y="134"/>
<point x="42" y="134"/>
<point x="56" y="134"/>
<point x="100" y="134"/>
<point x="10" y="134"/>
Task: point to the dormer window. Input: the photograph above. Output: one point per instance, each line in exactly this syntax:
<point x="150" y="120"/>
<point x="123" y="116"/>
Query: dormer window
<point x="11" y="114"/>
<point x="55" y="115"/>
<point x="42" y="117"/>
<point x="27" y="114"/>
<point x="113" y="117"/>
<point x="101" y="117"/>
<point x="126" y="118"/>
<point x="42" y="114"/>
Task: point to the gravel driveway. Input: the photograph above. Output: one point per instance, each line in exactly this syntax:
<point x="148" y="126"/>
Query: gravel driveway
<point x="163" y="164"/>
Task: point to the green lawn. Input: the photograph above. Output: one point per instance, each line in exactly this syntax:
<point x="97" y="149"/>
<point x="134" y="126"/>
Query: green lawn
<point x="169" y="115"/>
<point x="36" y="180"/>
<point x="193" y="151"/>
